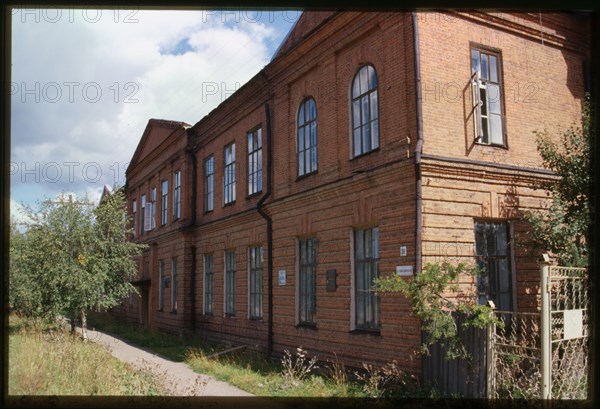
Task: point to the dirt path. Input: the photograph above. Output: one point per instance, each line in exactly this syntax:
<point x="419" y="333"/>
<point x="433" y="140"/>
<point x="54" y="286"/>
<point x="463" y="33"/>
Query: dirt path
<point x="177" y="377"/>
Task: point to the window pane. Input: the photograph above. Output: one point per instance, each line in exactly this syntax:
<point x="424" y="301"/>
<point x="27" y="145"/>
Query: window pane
<point x="493" y="94"/>
<point x="496" y="129"/>
<point x="484" y="67"/>
<point x="359" y="243"/>
<point x="474" y="61"/>
<point x="314" y="158"/>
<point x="365" y="109"/>
<point x="375" y="242"/>
<point x="493" y="69"/>
<point x="372" y="78"/>
<point x="356" y="113"/>
<point x="313" y="134"/>
<point x="301" y="170"/>
<point x="374" y="108"/>
<point x="366" y="137"/>
<point x="364" y="80"/>
<point x="312" y="112"/>
<point x="356" y="87"/>
<point x="375" y="134"/>
<point x="259" y="138"/>
<point x="503" y="275"/>
<point x="301" y="139"/>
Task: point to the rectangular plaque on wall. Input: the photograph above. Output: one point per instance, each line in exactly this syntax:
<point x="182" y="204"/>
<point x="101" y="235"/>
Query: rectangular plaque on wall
<point x="330" y="283"/>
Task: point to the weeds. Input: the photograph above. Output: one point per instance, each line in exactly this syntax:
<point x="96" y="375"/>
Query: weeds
<point x="296" y="368"/>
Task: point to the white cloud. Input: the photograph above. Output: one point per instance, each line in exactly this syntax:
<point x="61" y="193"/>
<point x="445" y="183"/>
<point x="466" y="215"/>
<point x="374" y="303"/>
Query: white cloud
<point x="84" y="86"/>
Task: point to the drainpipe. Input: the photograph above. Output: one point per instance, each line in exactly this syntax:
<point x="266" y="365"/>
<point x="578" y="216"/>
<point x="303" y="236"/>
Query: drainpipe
<point x="418" y="149"/>
<point x="193" y="292"/>
<point x="269" y="220"/>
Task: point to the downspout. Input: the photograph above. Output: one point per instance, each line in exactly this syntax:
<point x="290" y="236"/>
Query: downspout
<point x="418" y="149"/>
<point x="192" y="224"/>
<point x="259" y="209"/>
<point x="193" y="292"/>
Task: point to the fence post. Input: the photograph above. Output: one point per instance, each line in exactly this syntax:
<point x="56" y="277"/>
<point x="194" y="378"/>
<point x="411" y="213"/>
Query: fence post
<point x="490" y="361"/>
<point x="546" y="358"/>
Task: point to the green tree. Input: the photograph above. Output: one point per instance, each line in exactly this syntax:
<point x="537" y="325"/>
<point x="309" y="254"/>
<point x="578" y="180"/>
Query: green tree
<point x="563" y="228"/>
<point x="74" y="258"/>
<point x="436" y="295"/>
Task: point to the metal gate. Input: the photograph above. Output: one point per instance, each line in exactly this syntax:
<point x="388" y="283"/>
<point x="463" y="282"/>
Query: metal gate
<point x="544" y="355"/>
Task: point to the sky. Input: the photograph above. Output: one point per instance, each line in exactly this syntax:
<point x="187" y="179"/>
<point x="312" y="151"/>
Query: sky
<point x="85" y="83"/>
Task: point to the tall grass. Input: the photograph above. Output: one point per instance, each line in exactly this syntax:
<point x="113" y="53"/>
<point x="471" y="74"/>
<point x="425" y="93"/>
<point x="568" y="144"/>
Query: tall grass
<point x="53" y="362"/>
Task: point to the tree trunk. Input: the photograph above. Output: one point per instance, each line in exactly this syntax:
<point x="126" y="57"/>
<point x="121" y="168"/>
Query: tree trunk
<point x="83" y="326"/>
<point x="73" y="329"/>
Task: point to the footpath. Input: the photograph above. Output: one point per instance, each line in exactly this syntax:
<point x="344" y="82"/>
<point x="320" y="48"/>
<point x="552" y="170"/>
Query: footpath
<point x="176" y="377"/>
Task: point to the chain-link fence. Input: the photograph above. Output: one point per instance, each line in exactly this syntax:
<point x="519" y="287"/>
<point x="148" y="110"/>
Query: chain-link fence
<point x="544" y="355"/>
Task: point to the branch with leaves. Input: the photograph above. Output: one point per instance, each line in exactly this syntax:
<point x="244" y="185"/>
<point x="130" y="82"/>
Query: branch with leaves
<point x="435" y="296"/>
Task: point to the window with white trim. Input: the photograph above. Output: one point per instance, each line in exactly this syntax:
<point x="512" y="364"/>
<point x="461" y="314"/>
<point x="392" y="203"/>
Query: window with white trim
<point x="307" y="282"/>
<point x="164" y="201"/>
<point x="173" y="285"/>
<point x="365" y="111"/>
<point x="209" y="183"/>
<point x="255" y="287"/>
<point x="134" y="217"/>
<point x="177" y="195"/>
<point x="229" y="175"/>
<point x="230" y="284"/>
<point x="487" y="97"/>
<point x="161" y="284"/>
<point x="255" y="161"/>
<point x="153" y="208"/>
<point x="209" y="283"/>
<point x="143" y="214"/>
<point x="366" y="268"/>
<point x="307" y="137"/>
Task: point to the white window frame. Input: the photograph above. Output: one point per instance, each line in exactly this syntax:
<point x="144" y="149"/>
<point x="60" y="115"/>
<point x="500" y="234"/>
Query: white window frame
<point x="299" y="266"/>
<point x="252" y="271"/>
<point x="143" y="205"/>
<point x="176" y="195"/>
<point x="353" y="301"/>
<point x="229" y="185"/>
<point x="209" y="180"/>
<point x="254" y="139"/>
<point x="164" y="202"/>
<point x="227" y="271"/>
<point x="153" y="209"/>
<point x="307" y="156"/>
<point x="174" y="284"/>
<point x="209" y="293"/>
<point x="357" y="95"/>
<point x="134" y="217"/>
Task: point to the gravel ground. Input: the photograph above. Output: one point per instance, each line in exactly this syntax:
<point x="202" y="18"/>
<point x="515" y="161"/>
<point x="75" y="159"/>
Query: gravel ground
<point x="177" y="377"/>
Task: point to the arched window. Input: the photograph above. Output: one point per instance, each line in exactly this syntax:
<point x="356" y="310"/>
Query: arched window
<point x="307" y="137"/>
<point x="365" y="111"/>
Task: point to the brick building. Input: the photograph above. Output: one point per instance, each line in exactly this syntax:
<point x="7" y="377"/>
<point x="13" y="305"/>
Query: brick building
<point x="371" y="144"/>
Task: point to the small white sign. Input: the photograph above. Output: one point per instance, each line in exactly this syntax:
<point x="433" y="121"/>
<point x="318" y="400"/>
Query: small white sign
<point x="404" y="270"/>
<point x="281" y="277"/>
<point x="573" y="324"/>
<point x="402" y="251"/>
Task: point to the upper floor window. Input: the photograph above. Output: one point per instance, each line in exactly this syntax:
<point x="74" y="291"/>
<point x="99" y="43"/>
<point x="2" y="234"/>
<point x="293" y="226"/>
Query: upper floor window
<point x="164" y="201"/>
<point x="143" y="214"/>
<point x="134" y="217"/>
<point x="153" y="208"/>
<point x="177" y="195"/>
<point x="365" y="111"/>
<point x="229" y="176"/>
<point x="209" y="183"/>
<point x="307" y="137"/>
<point x="487" y="98"/>
<point x="255" y="161"/>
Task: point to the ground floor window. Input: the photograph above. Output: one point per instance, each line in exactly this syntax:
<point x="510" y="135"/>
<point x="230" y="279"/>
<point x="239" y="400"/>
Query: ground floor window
<point x="255" y="263"/>
<point x="209" y="283"/>
<point x="230" y="271"/>
<point x="307" y="285"/>
<point x="493" y="258"/>
<point x="366" y="268"/>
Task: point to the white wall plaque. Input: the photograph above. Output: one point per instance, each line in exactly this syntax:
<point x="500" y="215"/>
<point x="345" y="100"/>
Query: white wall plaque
<point x="404" y="270"/>
<point x="281" y="277"/>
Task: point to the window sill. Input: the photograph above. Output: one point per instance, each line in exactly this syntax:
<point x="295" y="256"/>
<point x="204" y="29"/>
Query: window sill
<point x="255" y="319"/>
<point x="373" y="332"/>
<point x="492" y="145"/>
<point x="307" y="326"/>
<point x="364" y="154"/>
<point x="306" y="175"/>
<point x="229" y="315"/>
<point x="253" y="195"/>
<point x="209" y="211"/>
<point x="160" y="310"/>
<point x="229" y="204"/>
<point x="173" y="312"/>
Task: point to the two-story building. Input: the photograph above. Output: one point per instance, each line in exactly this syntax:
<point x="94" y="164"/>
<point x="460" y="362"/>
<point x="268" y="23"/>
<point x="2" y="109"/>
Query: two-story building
<point x="371" y="144"/>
